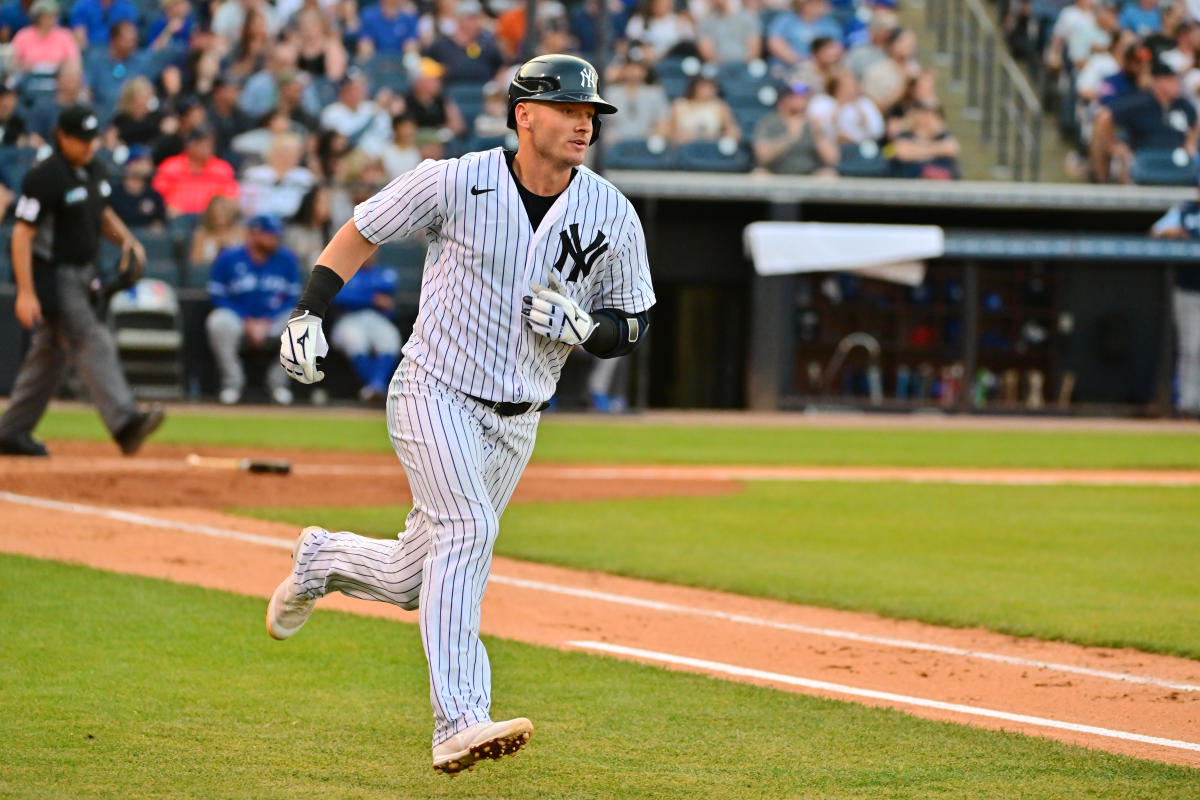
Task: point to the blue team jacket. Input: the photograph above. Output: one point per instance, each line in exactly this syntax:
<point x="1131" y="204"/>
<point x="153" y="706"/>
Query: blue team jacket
<point x="251" y="289"/>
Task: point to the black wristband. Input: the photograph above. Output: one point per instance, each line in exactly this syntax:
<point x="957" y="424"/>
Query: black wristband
<point x="607" y="335"/>
<point x="323" y="285"/>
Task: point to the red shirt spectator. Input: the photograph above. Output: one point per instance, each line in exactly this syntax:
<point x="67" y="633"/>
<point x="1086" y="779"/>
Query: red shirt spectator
<point x="189" y="180"/>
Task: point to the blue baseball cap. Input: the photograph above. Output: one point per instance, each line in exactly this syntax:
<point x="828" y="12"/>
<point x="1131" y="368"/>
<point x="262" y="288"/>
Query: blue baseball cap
<point x="266" y="223"/>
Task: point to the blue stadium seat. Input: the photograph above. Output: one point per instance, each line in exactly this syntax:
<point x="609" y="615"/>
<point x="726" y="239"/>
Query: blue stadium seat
<point x="863" y="161"/>
<point x="407" y="257"/>
<point x="5" y="255"/>
<point x="387" y="69"/>
<point x="1161" y="168"/>
<point x="707" y="157"/>
<point x="15" y="162"/>
<point x="636" y="154"/>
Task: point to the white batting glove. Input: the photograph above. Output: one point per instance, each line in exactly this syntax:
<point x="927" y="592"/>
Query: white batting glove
<point x="553" y="314"/>
<point x="300" y="345"/>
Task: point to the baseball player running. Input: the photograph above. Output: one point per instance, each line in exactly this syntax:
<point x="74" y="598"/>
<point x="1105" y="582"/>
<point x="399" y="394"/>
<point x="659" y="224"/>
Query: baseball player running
<point x="530" y="254"/>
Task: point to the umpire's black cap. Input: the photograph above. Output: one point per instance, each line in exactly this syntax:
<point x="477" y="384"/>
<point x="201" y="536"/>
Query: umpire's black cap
<point x="79" y="121"/>
<point x="558" y="78"/>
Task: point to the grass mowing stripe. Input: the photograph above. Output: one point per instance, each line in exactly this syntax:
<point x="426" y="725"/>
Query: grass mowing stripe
<point x="137" y="688"/>
<point x="581" y="442"/>
<point x="1096" y="566"/>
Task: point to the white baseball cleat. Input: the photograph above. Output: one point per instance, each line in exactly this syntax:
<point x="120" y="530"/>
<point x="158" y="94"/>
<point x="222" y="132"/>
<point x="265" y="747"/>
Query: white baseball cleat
<point x="288" y="611"/>
<point x="484" y="740"/>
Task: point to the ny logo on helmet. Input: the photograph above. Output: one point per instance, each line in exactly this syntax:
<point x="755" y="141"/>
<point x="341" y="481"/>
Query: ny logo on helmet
<point x="583" y="258"/>
<point x="589" y="77"/>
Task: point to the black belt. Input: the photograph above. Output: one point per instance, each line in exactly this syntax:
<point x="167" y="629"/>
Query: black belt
<point x="509" y="409"/>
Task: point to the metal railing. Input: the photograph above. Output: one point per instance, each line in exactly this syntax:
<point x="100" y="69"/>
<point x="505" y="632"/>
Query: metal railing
<point x="998" y="95"/>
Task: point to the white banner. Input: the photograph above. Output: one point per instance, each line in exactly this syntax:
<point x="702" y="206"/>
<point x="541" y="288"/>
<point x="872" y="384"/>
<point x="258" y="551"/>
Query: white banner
<point x="889" y="252"/>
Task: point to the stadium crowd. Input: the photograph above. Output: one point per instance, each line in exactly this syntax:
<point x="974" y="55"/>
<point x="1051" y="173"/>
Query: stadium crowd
<point x="1127" y="82"/>
<point x="245" y="131"/>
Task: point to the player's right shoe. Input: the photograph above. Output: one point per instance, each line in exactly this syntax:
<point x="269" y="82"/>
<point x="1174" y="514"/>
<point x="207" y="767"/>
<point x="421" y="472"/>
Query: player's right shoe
<point x="478" y="742"/>
<point x="289" y="610"/>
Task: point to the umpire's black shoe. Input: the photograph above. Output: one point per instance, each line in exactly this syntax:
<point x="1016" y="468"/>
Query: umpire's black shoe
<point x="130" y="437"/>
<point x="22" y="444"/>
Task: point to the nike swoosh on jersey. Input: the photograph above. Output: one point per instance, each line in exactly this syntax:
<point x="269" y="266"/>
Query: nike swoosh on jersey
<point x="477" y="190"/>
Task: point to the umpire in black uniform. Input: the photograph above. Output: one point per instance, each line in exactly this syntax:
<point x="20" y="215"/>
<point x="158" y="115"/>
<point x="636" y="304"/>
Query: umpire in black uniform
<point x="61" y="215"/>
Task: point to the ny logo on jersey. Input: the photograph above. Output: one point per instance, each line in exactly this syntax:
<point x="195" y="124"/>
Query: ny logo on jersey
<point x="589" y="77"/>
<point x="583" y="258"/>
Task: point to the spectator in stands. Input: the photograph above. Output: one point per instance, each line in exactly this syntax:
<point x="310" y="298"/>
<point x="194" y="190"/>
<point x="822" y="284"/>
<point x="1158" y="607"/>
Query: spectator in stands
<point x="252" y="47"/>
<point x="843" y="114"/>
<point x="358" y="177"/>
<point x="45" y="45"/>
<point x="260" y="94"/>
<point x="1076" y="32"/>
<point x="863" y="55"/>
<point x="189" y="180"/>
<point x="14" y="15"/>
<point x="363" y="328"/>
<point x="253" y="289"/>
<point x="825" y="62"/>
<point x="581" y="19"/>
<point x="885" y="81"/>
<point x="13" y="132"/>
<point x="231" y="17"/>
<point x="134" y="121"/>
<point x="470" y="54"/>
<point x="190" y="114"/>
<point x="107" y="69"/>
<point x="389" y="27"/>
<point x="1142" y="17"/>
<point x="226" y="119"/>
<point x="924" y="148"/>
<point x="321" y="52"/>
<point x="1102" y="79"/>
<point x="700" y="115"/>
<point x="1182" y="221"/>
<point x="511" y="29"/>
<point x="785" y="143"/>
<point x="364" y="124"/>
<point x="133" y="199"/>
<point x="346" y="20"/>
<point x="441" y="19"/>
<point x="791" y="34"/>
<point x="307" y="233"/>
<point x="1155" y="119"/>
<point x="201" y="73"/>
<point x="93" y="20"/>
<point x="402" y="153"/>
<point x="219" y="229"/>
<point x="729" y="34"/>
<point x="254" y="143"/>
<point x="173" y="28"/>
<point x="277" y="187"/>
<point x="427" y="102"/>
<point x="643" y="104"/>
<point x="1182" y="57"/>
<point x="69" y="89"/>
<point x="661" y="31"/>
<point x="492" y="119"/>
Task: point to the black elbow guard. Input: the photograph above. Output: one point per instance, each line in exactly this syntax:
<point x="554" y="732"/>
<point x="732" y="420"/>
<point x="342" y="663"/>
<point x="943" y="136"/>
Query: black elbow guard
<point x="617" y="332"/>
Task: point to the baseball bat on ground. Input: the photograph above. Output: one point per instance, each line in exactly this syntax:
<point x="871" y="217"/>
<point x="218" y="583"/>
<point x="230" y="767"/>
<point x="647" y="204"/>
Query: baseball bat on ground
<point x="273" y="466"/>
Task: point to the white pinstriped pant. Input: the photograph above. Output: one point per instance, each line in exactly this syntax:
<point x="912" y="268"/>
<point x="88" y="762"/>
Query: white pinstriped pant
<point x="463" y="462"/>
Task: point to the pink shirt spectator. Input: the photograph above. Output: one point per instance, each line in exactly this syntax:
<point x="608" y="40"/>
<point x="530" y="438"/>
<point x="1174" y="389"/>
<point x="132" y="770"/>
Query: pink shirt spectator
<point x="187" y="190"/>
<point x="40" y="52"/>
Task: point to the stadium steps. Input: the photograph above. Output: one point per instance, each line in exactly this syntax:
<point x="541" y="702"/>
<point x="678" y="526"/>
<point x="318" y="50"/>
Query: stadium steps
<point x="978" y="158"/>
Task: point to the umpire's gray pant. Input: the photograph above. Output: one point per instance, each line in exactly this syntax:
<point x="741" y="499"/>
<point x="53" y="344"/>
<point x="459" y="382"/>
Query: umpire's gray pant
<point x="71" y="336"/>
<point x="226" y="332"/>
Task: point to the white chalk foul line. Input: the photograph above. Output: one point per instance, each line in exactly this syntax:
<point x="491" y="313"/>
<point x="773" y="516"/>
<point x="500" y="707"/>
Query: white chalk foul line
<point x="854" y="691"/>
<point x="620" y="599"/>
<point x="834" y="633"/>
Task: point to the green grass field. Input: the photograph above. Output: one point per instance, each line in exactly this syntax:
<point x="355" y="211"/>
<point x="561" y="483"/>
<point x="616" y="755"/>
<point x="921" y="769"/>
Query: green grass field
<point x="112" y="686"/>
<point x="115" y="686"/>
<point x="635" y="442"/>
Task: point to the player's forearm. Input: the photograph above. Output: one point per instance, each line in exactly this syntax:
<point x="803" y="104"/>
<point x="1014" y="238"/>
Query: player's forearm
<point x="347" y="251"/>
<point x="22" y="257"/>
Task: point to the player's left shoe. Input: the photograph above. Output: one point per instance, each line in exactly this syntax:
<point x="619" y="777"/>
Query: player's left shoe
<point x="289" y="610"/>
<point x="482" y="741"/>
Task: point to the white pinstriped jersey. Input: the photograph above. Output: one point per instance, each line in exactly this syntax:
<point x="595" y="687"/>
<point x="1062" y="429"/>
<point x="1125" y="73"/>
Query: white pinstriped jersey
<point x="483" y="255"/>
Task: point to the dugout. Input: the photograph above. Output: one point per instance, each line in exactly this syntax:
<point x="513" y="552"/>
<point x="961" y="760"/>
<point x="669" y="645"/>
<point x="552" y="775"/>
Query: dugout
<point x="1072" y="260"/>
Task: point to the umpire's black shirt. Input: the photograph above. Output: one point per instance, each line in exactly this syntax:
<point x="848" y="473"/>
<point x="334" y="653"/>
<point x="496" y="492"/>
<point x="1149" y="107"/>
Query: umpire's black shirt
<point x="65" y="204"/>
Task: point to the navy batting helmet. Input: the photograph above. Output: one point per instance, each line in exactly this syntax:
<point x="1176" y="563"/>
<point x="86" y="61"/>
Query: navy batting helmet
<point x="558" y="78"/>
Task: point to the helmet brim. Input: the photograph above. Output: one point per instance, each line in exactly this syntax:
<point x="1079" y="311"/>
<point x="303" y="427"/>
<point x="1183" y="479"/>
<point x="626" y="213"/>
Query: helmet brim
<point x="599" y="103"/>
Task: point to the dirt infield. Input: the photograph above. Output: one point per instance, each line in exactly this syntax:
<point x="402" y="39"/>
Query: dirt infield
<point x="87" y="506"/>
